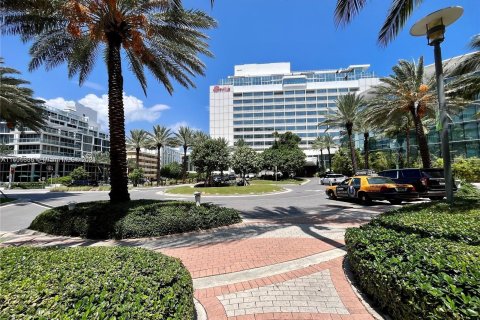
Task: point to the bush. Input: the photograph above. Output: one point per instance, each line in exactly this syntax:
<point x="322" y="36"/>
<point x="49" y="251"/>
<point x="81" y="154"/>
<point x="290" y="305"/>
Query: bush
<point x="136" y="176"/>
<point x="421" y="261"/>
<point x="67" y="180"/>
<point x="467" y="169"/>
<point x="133" y="219"/>
<point x="79" y="174"/>
<point x="413" y="277"/>
<point x="93" y="283"/>
<point x="28" y="185"/>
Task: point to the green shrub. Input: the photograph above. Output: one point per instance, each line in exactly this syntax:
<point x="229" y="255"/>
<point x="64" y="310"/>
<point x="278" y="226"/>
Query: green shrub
<point x="468" y="191"/>
<point x="79" y="173"/>
<point x="467" y="169"/>
<point x="93" y="283"/>
<point x="413" y="277"/>
<point x="28" y="185"/>
<point x="62" y="180"/>
<point x="460" y="222"/>
<point x="138" y="218"/>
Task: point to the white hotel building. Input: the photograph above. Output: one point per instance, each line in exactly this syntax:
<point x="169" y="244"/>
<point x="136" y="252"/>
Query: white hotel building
<point x="260" y="99"/>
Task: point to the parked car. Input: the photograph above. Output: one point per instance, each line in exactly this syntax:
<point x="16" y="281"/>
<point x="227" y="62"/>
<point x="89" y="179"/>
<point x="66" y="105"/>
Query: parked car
<point x="429" y="183"/>
<point x="368" y="188"/>
<point x="332" y="179"/>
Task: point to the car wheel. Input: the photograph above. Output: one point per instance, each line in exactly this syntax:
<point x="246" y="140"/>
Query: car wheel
<point x="395" y="201"/>
<point x="364" y="198"/>
<point x="435" y="198"/>
<point x="331" y="195"/>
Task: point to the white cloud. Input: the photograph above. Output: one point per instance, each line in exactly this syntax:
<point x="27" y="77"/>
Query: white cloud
<point x="174" y="127"/>
<point x="134" y="108"/>
<point x="59" y="103"/>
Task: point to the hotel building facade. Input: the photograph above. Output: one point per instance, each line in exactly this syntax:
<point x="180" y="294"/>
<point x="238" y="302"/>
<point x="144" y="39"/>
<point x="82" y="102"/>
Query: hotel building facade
<point x="66" y="142"/>
<point x="260" y="99"/>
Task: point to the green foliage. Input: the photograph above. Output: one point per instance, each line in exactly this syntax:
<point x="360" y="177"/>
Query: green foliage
<point x="341" y="162"/>
<point x="210" y="155"/>
<point x="172" y="170"/>
<point x="422" y="261"/>
<point x="136" y="176"/>
<point x="93" y="283"/>
<point x="66" y="180"/>
<point x="379" y="161"/>
<point x="467" y="169"/>
<point x="468" y="191"/>
<point x="285" y="154"/>
<point x="244" y="160"/>
<point x="79" y="174"/>
<point x="133" y="219"/>
<point x="28" y="185"/>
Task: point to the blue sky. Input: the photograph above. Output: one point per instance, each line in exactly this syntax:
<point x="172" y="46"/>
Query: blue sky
<point x="254" y="31"/>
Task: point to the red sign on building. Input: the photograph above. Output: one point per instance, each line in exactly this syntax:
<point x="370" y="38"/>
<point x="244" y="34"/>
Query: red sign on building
<point x="221" y="89"/>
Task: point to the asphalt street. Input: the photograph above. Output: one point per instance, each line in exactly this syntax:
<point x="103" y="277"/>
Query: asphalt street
<point x="308" y="200"/>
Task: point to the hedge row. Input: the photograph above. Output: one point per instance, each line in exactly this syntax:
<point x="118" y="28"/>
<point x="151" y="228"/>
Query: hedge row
<point x="412" y="277"/>
<point x="93" y="283"/>
<point x="439" y="220"/>
<point x="134" y="219"/>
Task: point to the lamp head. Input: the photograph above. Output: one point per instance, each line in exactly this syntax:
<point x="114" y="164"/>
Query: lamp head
<point x="433" y="25"/>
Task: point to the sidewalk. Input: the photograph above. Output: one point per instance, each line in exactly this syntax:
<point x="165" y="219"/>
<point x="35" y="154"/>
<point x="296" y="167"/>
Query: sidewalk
<point x="254" y="270"/>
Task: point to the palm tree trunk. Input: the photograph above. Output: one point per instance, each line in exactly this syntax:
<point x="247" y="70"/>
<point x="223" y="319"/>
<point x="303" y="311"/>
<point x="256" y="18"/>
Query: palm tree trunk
<point x="329" y="159"/>
<point x="352" y="149"/>
<point x="158" y="164"/>
<point x="422" y="141"/>
<point x="366" y="135"/>
<point x="137" y="157"/>
<point x="321" y="160"/>
<point x="116" y="121"/>
<point x="184" y="174"/>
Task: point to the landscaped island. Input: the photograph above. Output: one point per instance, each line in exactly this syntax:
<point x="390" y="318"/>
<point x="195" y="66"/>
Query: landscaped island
<point x="133" y="219"/>
<point x="93" y="283"/>
<point x="422" y="261"/>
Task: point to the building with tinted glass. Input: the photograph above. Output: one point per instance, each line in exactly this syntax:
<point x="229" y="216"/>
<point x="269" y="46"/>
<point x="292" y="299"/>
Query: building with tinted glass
<point x="260" y="99"/>
<point x="66" y="142"/>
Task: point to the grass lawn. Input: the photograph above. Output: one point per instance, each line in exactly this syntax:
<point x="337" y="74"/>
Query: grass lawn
<point x="286" y="181"/>
<point x="80" y="188"/>
<point x="229" y="190"/>
<point x="5" y="200"/>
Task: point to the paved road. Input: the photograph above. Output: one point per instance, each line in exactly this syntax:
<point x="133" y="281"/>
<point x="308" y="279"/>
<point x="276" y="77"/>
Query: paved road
<point x="300" y="201"/>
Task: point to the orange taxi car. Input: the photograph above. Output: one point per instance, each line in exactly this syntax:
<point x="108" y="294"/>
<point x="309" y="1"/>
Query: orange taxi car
<point x="368" y="188"/>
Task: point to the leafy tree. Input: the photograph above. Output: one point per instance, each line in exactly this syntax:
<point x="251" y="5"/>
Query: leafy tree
<point x="284" y="155"/>
<point x="184" y="138"/>
<point x="101" y="160"/>
<point x="18" y="107"/>
<point x="345" y="116"/>
<point x="329" y="143"/>
<point x="138" y="139"/>
<point x="172" y="171"/>
<point x="136" y="176"/>
<point x="363" y="126"/>
<point x="159" y="35"/>
<point x="379" y="161"/>
<point x="244" y="160"/>
<point x="161" y="137"/>
<point x="79" y="173"/>
<point x="209" y="155"/>
<point x="341" y="162"/>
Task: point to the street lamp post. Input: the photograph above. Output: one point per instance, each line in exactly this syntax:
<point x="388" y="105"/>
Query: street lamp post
<point x="433" y="26"/>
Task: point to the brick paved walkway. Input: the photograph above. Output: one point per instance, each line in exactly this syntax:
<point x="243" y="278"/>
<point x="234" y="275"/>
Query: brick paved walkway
<point x="254" y="270"/>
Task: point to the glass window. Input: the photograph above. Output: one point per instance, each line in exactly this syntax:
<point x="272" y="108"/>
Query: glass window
<point x="248" y="94"/>
<point x="278" y="99"/>
<point x="290" y="106"/>
<point x="289" y="99"/>
<point x="289" y="92"/>
<point x="237" y="109"/>
<point x="237" y="94"/>
<point x="379" y="180"/>
<point x="322" y="98"/>
<point x="279" y="114"/>
<point x="268" y="100"/>
<point x="289" y="114"/>
<point x="411" y="173"/>
<point x="311" y="106"/>
<point x="290" y="121"/>
<point x="299" y="91"/>
<point x="312" y="120"/>
<point x="332" y="90"/>
<point x="301" y="113"/>
<point x="258" y="94"/>
<point x="321" y="90"/>
<point x="356" y="182"/>
<point x="269" y="93"/>
<point x="268" y="114"/>
<point x="279" y="120"/>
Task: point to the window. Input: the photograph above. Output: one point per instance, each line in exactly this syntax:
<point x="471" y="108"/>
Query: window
<point x="299" y="91"/>
<point x="390" y="174"/>
<point x="258" y="94"/>
<point x="356" y="182"/>
<point x="289" y="92"/>
<point x="411" y="173"/>
<point x="379" y="180"/>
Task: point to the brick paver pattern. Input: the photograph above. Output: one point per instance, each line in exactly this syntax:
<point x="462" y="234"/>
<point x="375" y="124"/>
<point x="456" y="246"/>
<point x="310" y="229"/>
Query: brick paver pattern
<point x="312" y="294"/>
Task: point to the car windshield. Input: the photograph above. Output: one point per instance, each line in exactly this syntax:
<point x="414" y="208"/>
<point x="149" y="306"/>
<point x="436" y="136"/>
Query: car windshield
<point x="433" y="173"/>
<point x="379" y="180"/>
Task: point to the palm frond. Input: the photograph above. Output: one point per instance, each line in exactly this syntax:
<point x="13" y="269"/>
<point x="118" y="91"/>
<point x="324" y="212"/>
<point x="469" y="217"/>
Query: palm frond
<point x="398" y="14"/>
<point x="346" y="10"/>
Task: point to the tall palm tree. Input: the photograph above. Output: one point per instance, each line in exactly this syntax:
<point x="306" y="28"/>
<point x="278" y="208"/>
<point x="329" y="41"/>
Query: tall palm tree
<point x="161" y="137"/>
<point x="398" y="14"/>
<point x="159" y="35"/>
<point x="18" y="107"/>
<point x="184" y="138"/>
<point x="319" y="144"/>
<point x="348" y="108"/>
<point x="409" y="91"/>
<point x="138" y="139"/>
<point x="329" y="143"/>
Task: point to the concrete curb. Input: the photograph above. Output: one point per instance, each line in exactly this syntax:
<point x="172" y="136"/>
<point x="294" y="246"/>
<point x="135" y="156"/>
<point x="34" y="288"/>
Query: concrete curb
<point x="286" y="190"/>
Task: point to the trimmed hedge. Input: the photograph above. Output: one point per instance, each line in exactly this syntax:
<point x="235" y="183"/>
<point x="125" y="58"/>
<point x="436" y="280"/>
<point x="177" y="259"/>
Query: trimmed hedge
<point x="422" y="261"/>
<point x="133" y="219"/>
<point x="438" y="219"/>
<point x="93" y="283"/>
<point x="413" y="277"/>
